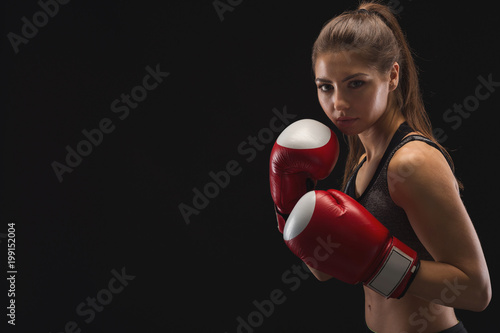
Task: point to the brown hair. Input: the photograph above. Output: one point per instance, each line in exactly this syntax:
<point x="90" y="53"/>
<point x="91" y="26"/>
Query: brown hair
<point x="373" y="32"/>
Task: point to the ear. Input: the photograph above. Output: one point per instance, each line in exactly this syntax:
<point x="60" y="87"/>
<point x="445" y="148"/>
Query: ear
<point x="394" y="77"/>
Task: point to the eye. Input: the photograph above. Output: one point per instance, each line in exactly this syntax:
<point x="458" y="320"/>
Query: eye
<point x="325" y="87"/>
<point x="356" y="84"/>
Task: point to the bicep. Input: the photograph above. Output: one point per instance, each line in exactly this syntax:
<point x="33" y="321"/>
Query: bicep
<point x="428" y="194"/>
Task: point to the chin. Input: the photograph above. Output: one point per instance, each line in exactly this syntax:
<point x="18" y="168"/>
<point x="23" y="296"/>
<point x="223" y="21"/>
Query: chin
<point x="350" y="133"/>
<point x="348" y="130"/>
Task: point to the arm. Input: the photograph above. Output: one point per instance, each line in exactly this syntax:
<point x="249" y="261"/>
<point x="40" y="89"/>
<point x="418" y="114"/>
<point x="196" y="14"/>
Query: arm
<point x="421" y="182"/>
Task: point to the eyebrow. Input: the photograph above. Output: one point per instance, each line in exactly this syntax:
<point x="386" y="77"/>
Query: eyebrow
<point x="320" y="79"/>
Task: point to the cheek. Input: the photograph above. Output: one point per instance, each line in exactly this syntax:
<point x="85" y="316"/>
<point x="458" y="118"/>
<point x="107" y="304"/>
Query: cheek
<point x="325" y="102"/>
<point x="375" y="100"/>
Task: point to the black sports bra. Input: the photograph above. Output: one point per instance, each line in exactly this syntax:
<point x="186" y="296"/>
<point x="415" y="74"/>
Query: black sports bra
<point x="377" y="199"/>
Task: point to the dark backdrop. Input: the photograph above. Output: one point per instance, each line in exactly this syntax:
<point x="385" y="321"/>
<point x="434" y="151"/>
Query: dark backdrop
<point x="223" y="267"/>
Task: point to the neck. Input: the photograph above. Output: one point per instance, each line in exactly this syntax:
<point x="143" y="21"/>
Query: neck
<point x="376" y="138"/>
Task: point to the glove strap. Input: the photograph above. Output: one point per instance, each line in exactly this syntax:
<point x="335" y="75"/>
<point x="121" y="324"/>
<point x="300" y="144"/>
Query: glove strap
<point x="417" y="266"/>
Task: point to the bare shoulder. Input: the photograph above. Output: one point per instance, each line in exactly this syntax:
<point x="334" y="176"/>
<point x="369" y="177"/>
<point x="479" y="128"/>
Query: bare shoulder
<point x="418" y="169"/>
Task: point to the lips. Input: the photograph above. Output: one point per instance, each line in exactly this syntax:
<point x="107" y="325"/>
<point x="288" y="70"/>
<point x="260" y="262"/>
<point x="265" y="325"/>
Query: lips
<point x="345" y="118"/>
<point x="346" y="121"/>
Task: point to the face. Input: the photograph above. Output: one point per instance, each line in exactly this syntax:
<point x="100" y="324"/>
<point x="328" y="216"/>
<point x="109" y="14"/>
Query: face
<point x="353" y="95"/>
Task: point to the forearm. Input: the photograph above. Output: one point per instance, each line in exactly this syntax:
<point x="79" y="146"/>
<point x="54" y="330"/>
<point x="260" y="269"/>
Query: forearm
<point x="448" y="285"/>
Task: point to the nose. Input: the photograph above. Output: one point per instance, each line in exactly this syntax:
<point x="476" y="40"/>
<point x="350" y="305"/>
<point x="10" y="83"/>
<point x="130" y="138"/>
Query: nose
<point x="339" y="101"/>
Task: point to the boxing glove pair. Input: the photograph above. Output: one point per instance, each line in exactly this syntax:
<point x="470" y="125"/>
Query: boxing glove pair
<point x="328" y="230"/>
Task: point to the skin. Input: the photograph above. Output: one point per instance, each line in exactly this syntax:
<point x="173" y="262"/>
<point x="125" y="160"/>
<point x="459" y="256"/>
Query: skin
<point x="359" y="101"/>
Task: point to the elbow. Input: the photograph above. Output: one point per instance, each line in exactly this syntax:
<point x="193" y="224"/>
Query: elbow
<point x="474" y="295"/>
<point x="484" y="292"/>
<point x="480" y="294"/>
<point x="482" y="298"/>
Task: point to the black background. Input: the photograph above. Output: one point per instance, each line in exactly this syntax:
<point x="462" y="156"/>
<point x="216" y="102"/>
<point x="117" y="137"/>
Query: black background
<point x="120" y="207"/>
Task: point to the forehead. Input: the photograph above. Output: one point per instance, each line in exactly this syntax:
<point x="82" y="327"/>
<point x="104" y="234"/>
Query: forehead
<point x="336" y="65"/>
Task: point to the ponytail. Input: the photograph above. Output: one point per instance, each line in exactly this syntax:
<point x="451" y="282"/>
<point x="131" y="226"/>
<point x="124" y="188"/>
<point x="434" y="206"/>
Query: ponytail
<point x="408" y="97"/>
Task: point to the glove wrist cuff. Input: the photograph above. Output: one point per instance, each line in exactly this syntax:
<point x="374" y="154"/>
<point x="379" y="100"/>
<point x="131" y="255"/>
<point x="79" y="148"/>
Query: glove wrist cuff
<point x="396" y="272"/>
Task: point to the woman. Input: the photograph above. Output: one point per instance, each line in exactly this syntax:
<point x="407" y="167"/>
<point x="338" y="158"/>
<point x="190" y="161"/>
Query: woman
<point x="368" y="86"/>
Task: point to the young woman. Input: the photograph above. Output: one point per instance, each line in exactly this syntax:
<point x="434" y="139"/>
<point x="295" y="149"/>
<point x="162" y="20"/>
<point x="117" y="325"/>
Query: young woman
<point x="368" y="86"/>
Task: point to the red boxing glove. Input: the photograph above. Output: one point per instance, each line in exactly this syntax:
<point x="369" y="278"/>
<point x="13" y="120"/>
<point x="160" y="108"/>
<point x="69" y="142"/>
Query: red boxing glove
<point x="305" y="152"/>
<point x="334" y="234"/>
